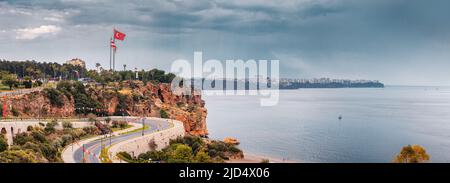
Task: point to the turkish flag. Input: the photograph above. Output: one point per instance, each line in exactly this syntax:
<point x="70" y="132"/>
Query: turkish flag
<point x="119" y="35"/>
<point x="113" y="44"/>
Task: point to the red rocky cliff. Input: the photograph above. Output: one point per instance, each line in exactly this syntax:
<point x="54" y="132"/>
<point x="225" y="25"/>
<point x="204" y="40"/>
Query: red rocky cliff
<point x="139" y="100"/>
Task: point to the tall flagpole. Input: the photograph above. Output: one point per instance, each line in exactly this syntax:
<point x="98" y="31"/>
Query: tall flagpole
<point x="114" y="55"/>
<point x="114" y="51"/>
<point x="110" y="53"/>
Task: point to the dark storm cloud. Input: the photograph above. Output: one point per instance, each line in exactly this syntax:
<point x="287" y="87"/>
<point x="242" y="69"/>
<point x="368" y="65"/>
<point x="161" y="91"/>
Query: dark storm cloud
<point x="336" y="38"/>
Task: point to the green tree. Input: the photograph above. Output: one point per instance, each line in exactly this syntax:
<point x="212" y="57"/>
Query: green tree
<point x="3" y="144"/>
<point x="9" y="80"/>
<point x="108" y="120"/>
<point x="181" y="154"/>
<point x="163" y="114"/>
<point x="67" y="125"/>
<point x="50" y="127"/>
<point x="18" y="156"/>
<point x="202" y="157"/>
<point x="27" y="82"/>
<point x="54" y="96"/>
<point x="412" y="154"/>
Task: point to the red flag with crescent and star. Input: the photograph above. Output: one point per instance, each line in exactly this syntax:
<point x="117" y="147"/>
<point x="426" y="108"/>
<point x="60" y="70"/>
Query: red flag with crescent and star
<point x="119" y="35"/>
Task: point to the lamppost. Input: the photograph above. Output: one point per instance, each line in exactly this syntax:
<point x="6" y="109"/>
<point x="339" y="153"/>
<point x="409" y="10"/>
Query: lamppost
<point x="143" y="126"/>
<point x="101" y="142"/>
<point x="84" y="158"/>
<point x="110" y="136"/>
<point x="137" y="76"/>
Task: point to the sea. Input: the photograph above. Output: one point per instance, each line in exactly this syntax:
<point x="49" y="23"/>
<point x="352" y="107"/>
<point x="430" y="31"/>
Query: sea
<point x="343" y="125"/>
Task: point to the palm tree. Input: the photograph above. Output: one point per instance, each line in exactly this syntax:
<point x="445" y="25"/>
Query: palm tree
<point x="124" y="67"/>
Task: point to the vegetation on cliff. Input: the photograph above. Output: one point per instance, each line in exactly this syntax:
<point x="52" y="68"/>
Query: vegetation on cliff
<point x="188" y="149"/>
<point x="43" y="143"/>
<point x="40" y="70"/>
<point x="3" y="144"/>
<point x="105" y="93"/>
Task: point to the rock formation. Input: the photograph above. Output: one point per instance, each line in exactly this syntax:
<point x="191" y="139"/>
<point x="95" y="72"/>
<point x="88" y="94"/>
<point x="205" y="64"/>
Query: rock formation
<point x="135" y="98"/>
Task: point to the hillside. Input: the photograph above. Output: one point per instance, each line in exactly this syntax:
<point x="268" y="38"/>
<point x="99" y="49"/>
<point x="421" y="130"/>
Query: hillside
<point x="128" y="98"/>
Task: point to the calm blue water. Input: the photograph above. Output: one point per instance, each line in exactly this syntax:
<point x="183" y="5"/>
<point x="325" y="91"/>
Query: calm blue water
<point x="304" y="126"/>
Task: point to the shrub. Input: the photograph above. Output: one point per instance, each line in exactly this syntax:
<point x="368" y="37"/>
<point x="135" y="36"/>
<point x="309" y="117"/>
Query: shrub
<point x="33" y="146"/>
<point x="67" y="125"/>
<point x="22" y="138"/>
<point x="126" y="157"/>
<point x="50" y="126"/>
<point x="136" y="97"/>
<point x="39" y="83"/>
<point x="66" y="139"/>
<point x="108" y="120"/>
<point x="181" y="154"/>
<point x="91" y="130"/>
<point x="92" y="117"/>
<point x="54" y="96"/>
<point x="202" y="157"/>
<point x="234" y="149"/>
<point x="412" y="154"/>
<point x="77" y="133"/>
<point x="49" y="152"/>
<point x="14" y="112"/>
<point x="3" y="144"/>
<point x="18" y="156"/>
<point x="163" y="114"/>
<point x="103" y="128"/>
<point x="57" y="143"/>
<point x="27" y="84"/>
<point x="39" y="137"/>
<point x="119" y="124"/>
<point x="153" y="155"/>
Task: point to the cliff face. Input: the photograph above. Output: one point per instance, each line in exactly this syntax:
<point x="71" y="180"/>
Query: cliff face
<point x="133" y="98"/>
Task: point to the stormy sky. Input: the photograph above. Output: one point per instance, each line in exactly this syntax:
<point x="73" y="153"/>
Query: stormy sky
<point x="395" y="41"/>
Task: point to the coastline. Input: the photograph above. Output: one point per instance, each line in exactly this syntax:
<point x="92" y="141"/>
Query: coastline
<point x="256" y="158"/>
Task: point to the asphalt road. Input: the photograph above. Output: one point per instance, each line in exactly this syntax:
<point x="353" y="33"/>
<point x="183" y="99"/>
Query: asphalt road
<point x="93" y="149"/>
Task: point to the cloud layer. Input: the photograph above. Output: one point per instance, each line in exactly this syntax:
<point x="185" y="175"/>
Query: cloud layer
<point x="398" y="42"/>
<point x="33" y="33"/>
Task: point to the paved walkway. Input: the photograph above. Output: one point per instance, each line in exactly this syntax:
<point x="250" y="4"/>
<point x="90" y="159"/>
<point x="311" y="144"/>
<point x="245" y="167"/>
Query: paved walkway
<point x="169" y="129"/>
<point x="68" y="154"/>
<point x="93" y="149"/>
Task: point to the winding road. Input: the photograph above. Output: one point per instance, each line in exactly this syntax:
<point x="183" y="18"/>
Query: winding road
<point x="90" y="153"/>
<point x="93" y="149"/>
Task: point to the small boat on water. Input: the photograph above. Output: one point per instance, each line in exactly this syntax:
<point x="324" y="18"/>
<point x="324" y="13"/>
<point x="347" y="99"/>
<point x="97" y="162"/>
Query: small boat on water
<point x="340" y="117"/>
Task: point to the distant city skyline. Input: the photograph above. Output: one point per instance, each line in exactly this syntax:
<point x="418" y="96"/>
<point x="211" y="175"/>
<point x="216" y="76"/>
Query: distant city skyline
<point x="403" y="42"/>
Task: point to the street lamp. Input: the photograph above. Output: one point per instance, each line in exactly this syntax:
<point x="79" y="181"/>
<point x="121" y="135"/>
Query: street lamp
<point x="143" y="126"/>
<point x="137" y="76"/>
<point x="110" y="136"/>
